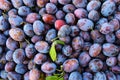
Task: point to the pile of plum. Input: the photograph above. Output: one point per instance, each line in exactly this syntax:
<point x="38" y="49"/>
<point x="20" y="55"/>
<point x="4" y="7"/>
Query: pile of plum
<point x="90" y="30"/>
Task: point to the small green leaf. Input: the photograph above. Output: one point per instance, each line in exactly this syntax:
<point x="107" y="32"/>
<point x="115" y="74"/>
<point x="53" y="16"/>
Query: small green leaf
<point x="53" y="53"/>
<point x="57" y="74"/>
<point x="55" y="39"/>
<point x="59" y="42"/>
<point x="51" y="78"/>
<point x="61" y="78"/>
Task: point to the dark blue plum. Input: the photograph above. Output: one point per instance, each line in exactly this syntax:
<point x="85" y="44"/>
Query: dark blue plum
<point x="38" y="27"/>
<point x="110" y="38"/>
<point x="115" y="69"/>
<point x="29" y="3"/>
<point x="60" y="14"/>
<point x="86" y="46"/>
<point x="54" y="1"/>
<point x="68" y="8"/>
<point x="28" y="29"/>
<point x="12" y="12"/>
<point x="94" y="15"/>
<point x="75" y="76"/>
<point x="5" y="5"/>
<point x="24" y="11"/>
<point x="30" y="51"/>
<point x="42" y="11"/>
<point x="48" y="67"/>
<point x="117" y="33"/>
<point x="36" y="38"/>
<point x="9" y="66"/>
<point x="51" y="34"/>
<point x="64" y="31"/>
<point x="31" y="65"/>
<point x="42" y="46"/>
<point x="106" y="28"/>
<point x="100" y="76"/>
<point x="4" y="25"/>
<point x="32" y="17"/>
<point x="67" y="50"/>
<point x="85" y="35"/>
<point x="17" y="34"/>
<point x="80" y="13"/>
<point x="26" y="76"/>
<point x="95" y="50"/>
<point x="19" y="56"/>
<point x="100" y="22"/>
<point x="6" y="33"/>
<point x="34" y="74"/>
<point x="50" y="8"/>
<point x="110" y="49"/>
<point x="70" y="18"/>
<point x="11" y="44"/>
<point x="79" y="3"/>
<point x="3" y="39"/>
<point x="95" y="65"/>
<point x="84" y="59"/>
<point x="77" y="43"/>
<point x="9" y="55"/>
<point x="3" y="74"/>
<point x="87" y="76"/>
<point x="85" y="24"/>
<point x="60" y="58"/>
<point x="107" y="8"/>
<point x="74" y="31"/>
<point x="64" y="2"/>
<point x="41" y="3"/>
<point x="97" y="36"/>
<point x="40" y="58"/>
<point x="70" y="65"/>
<point x="65" y="39"/>
<point x="111" y="76"/>
<point x="14" y="76"/>
<point x="17" y="3"/>
<point x="15" y="20"/>
<point x="93" y="5"/>
<point x="115" y="23"/>
<point x="21" y="68"/>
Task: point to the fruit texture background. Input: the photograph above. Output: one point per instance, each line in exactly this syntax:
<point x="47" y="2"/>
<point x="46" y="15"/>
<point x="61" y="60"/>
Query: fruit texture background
<point x="60" y="39"/>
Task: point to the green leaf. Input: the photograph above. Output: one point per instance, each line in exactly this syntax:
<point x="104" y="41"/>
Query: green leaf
<point x="61" y="78"/>
<point x="51" y="78"/>
<point x="59" y="42"/>
<point x="53" y="53"/>
<point x="55" y="39"/>
<point x="57" y="74"/>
